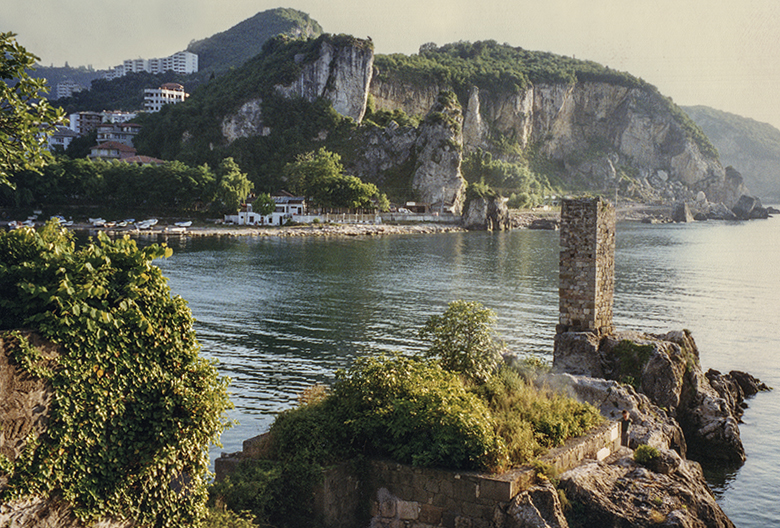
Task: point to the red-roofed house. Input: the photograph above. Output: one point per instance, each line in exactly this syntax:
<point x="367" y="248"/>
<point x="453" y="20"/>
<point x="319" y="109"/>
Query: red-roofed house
<point x="112" y="150"/>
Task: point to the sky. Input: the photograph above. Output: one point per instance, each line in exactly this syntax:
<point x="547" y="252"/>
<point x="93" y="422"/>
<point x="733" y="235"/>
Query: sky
<point x="718" y="53"/>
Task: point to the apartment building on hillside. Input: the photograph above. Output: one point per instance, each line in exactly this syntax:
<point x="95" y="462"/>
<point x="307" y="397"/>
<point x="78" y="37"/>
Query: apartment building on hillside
<point x="168" y="93"/>
<point x="180" y="62"/>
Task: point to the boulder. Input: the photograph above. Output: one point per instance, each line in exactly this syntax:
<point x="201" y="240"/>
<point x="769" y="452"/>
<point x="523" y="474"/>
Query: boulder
<point x="578" y="353"/>
<point x="538" y="507"/>
<point x="623" y="493"/>
<point x="666" y="370"/>
<point x="719" y="211"/>
<point x="486" y="214"/>
<point x="650" y="425"/>
<point x="681" y="212"/>
<point x="749" y="208"/>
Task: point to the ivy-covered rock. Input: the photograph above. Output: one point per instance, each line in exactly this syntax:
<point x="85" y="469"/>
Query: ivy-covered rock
<point x="134" y="407"/>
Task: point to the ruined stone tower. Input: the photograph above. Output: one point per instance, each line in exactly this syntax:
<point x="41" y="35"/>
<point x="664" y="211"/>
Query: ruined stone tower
<point x="587" y="266"/>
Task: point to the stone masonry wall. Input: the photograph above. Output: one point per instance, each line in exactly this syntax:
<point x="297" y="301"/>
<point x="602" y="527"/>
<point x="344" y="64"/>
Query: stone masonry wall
<point x="587" y="266"/>
<point x="409" y="497"/>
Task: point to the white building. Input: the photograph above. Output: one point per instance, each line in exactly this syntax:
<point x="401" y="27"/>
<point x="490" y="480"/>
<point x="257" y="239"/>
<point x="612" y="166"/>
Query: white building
<point x="83" y="123"/>
<point x="67" y="88"/>
<point x="181" y="62"/>
<point x="61" y="137"/>
<point x="288" y="207"/>
<point x="168" y="93"/>
<point x="119" y="132"/>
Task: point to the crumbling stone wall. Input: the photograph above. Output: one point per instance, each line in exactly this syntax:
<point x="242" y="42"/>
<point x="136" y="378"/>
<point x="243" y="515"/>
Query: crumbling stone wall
<point x="587" y="266"/>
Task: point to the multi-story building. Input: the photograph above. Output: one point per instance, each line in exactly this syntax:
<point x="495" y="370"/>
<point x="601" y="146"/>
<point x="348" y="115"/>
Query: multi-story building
<point x="168" y="93"/>
<point x="61" y="138"/>
<point x="112" y="150"/>
<point x="118" y="132"/>
<point x="181" y="62"/>
<point x="117" y="116"/>
<point x="82" y="123"/>
<point x="67" y="88"/>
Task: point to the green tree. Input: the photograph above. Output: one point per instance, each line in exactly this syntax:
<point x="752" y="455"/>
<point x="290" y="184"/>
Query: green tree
<point x="26" y="118"/>
<point x="463" y="340"/>
<point x="264" y="204"/>
<point x="320" y="178"/>
<point x="232" y="188"/>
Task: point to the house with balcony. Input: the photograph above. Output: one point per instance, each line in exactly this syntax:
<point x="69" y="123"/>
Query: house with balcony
<point x="119" y="132"/>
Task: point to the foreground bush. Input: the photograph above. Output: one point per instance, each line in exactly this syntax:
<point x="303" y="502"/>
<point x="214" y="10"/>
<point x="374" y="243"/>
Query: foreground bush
<point x="135" y="407"/>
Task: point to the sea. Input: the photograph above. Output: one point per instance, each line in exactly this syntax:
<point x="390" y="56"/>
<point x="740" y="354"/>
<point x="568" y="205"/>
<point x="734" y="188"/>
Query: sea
<point x="281" y="314"/>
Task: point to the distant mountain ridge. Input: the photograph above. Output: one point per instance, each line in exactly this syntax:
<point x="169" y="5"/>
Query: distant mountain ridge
<point x="750" y="146"/>
<point x="232" y="48"/>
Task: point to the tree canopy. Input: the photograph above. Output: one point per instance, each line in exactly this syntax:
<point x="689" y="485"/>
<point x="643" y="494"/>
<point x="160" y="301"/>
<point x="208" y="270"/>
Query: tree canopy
<point x="26" y="118"/>
<point x="319" y="176"/>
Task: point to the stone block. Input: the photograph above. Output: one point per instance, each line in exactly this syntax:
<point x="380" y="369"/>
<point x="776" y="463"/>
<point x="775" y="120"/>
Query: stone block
<point x="430" y="514"/>
<point x="408" y="510"/>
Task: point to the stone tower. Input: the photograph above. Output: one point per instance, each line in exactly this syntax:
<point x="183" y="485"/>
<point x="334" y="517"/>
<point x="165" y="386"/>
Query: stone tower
<point x="587" y="266"/>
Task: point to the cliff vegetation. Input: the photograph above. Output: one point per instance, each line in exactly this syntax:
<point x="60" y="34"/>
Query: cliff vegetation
<point x="134" y="407"/>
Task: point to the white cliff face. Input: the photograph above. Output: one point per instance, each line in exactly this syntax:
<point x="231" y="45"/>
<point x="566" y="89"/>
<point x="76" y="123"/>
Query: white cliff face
<point x="341" y="75"/>
<point x="593" y="129"/>
<point x="437" y="177"/>
<point x="247" y="122"/>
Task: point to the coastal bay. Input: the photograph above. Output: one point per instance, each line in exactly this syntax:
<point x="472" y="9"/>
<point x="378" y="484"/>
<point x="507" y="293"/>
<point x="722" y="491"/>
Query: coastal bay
<point x="280" y="314"/>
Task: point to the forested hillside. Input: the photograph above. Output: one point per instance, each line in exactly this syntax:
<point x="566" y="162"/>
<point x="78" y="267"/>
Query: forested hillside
<point x="234" y="47"/>
<point x="752" y="147"/>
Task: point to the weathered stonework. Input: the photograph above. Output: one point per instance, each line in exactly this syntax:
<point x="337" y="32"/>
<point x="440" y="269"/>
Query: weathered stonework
<point x="587" y="266"/>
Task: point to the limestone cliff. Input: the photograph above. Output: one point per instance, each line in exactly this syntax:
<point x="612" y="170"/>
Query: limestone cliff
<point x="341" y="74"/>
<point x="600" y="134"/>
<point x="437" y="177"/>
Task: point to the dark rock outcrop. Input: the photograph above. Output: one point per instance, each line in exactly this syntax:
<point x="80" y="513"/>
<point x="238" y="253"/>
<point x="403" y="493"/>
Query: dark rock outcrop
<point x="749" y="208"/>
<point x="681" y="213"/>
<point x="486" y="214"/>
<point x="666" y="369"/>
<point x="623" y="493"/>
<point x="538" y="507"/>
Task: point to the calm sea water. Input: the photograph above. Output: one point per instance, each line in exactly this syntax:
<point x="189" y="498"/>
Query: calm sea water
<point x="281" y="314"/>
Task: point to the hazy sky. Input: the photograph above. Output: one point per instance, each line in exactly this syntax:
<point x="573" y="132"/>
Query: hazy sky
<point x="724" y="54"/>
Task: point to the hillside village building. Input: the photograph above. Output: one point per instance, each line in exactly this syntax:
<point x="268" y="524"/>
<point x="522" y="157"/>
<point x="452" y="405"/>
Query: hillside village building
<point x="67" y="88"/>
<point x="82" y="123"/>
<point x="168" y="93"/>
<point x="181" y="62"/>
<point x="112" y="150"/>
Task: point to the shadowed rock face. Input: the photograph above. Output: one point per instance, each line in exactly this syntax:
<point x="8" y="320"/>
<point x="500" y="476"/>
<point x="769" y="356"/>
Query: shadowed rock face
<point x="666" y="369"/>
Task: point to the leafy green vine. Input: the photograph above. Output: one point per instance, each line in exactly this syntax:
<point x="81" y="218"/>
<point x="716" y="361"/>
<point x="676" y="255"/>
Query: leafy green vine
<point x="135" y="407"/>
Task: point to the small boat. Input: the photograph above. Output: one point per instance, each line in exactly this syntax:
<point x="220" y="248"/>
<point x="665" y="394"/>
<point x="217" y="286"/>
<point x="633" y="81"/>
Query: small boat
<point x="97" y="222"/>
<point x="183" y="224"/>
<point x="146" y="224"/>
<point x="176" y="229"/>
